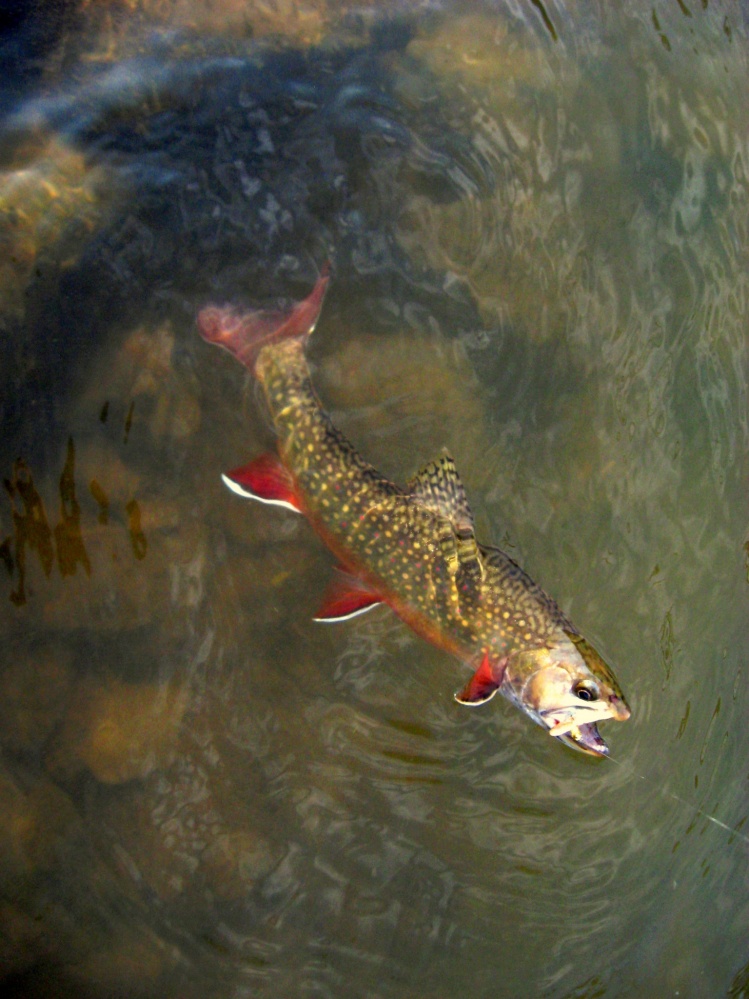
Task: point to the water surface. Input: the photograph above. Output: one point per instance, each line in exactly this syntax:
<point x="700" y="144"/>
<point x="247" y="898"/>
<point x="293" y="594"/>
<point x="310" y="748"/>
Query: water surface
<point x="537" y="218"/>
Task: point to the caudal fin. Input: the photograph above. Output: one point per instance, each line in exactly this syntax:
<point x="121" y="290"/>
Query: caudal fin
<point x="244" y="334"/>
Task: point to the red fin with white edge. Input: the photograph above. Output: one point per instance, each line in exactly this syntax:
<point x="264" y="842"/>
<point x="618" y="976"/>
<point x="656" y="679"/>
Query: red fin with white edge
<point x="244" y="334"/>
<point x="265" y="479"/>
<point x="346" y="597"/>
<point x="484" y="683"/>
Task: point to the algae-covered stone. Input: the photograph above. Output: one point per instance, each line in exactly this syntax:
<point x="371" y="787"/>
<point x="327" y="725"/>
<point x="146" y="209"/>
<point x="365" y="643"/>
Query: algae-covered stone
<point x="479" y="50"/>
<point x="50" y="187"/>
<point x="119" y="731"/>
<point x="300" y="22"/>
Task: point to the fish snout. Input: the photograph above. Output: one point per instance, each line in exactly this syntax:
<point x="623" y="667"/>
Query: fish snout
<point x="620" y="710"/>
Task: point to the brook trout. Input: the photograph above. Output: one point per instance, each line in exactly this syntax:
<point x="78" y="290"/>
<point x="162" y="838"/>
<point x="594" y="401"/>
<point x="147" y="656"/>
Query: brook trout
<point x="412" y="548"/>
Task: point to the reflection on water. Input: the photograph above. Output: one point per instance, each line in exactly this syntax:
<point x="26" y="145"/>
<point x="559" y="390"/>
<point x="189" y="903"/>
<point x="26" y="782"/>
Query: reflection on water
<point x="538" y="220"/>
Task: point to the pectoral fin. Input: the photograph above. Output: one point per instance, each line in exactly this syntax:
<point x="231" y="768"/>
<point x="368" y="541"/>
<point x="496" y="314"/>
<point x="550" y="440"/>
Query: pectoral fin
<point x="484" y="683"/>
<point x="264" y="479"/>
<point x="346" y="597"/>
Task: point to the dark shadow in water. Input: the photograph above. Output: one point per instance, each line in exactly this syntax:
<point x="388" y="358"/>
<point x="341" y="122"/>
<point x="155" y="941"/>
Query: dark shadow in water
<point x="30" y="31"/>
<point x="237" y="174"/>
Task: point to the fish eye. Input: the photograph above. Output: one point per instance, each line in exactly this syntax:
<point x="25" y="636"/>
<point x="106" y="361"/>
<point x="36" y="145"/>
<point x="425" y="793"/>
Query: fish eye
<point x="586" y="691"/>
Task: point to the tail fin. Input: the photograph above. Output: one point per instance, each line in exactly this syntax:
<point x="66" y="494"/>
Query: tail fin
<point x="244" y="334"/>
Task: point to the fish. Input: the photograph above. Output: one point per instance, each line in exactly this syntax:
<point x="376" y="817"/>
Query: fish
<point x="412" y="548"/>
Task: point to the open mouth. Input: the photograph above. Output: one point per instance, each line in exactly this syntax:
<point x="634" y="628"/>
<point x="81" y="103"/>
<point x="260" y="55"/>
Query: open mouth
<point x="578" y="735"/>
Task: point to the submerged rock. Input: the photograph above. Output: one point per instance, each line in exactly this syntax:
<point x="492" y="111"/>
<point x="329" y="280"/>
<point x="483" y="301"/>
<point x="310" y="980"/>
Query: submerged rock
<point x="197" y="827"/>
<point x="53" y="192"/>
<point x="119" y="731"/>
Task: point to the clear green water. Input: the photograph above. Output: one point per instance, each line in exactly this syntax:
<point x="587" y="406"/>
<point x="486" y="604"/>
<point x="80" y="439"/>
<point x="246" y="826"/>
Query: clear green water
<point x="538" y="221"/>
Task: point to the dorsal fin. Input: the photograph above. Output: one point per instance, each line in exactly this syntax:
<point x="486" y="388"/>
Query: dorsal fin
<point x="438" y="488"/>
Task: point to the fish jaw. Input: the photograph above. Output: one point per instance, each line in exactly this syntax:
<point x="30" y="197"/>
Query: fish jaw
<point x="586" y="739"/>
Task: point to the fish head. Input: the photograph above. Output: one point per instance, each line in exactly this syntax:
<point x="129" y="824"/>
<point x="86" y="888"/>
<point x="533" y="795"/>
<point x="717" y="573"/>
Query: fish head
<point x="567" y="688"/>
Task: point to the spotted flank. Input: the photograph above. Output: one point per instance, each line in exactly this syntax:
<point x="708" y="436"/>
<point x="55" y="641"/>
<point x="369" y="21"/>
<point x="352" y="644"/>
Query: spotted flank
<point x="414" y="548"/>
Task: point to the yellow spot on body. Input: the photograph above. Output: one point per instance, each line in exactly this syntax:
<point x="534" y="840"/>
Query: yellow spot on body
<point x="506" y="615"/>
<point x="527" y="636"/>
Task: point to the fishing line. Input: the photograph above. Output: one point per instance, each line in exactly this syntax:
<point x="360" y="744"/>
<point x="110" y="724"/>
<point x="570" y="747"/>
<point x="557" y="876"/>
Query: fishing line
<point x="683" y="801"/>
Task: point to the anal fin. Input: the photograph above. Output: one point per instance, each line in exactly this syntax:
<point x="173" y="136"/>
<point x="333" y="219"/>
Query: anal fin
<point x="346" y="597"/>
<point x="265" y="479"/>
